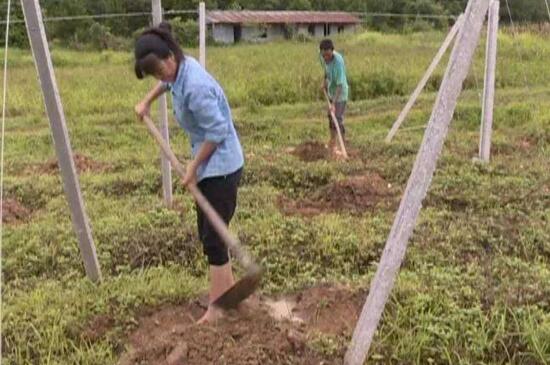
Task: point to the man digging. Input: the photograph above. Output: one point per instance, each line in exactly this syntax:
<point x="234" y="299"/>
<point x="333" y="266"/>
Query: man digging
<point x="335" y="83"/>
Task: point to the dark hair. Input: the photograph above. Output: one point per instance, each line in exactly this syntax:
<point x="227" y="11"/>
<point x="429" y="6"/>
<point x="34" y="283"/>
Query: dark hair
<point x="326" y="44"/>
<point x="153" y="45"/>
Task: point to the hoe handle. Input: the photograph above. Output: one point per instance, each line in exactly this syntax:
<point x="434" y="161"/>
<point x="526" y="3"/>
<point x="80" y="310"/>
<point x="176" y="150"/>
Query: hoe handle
<point x="335" y="122"/>
<point x="214" y="218"/>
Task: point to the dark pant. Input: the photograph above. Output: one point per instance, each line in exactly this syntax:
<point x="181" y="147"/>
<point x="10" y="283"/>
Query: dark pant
<point x="221" y="193"/>
<point x="339" y="113"/>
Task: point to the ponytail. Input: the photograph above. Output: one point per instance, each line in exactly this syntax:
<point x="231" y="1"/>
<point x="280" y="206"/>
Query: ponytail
<point x="153" y="45"/>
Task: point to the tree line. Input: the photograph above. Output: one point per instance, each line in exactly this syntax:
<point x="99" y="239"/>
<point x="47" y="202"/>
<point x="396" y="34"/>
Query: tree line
<point x="115" y="32"/>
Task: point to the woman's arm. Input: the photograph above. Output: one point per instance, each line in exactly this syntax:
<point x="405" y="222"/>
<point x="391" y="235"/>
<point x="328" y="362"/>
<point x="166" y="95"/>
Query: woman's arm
<point x="204" y="106"/>
<point x="144" y="106"/>
<point x="206" y="149"/>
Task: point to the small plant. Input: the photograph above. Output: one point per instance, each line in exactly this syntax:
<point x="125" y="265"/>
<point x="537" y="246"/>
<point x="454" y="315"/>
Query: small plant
<point x="327" y="345"/>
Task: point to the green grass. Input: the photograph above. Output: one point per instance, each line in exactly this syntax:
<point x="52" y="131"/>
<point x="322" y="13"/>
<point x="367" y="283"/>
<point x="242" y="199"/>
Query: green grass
<point x="475" y="285"/>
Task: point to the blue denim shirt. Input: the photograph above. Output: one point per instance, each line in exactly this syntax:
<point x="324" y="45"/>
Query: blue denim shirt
<point x="202" y="110"/>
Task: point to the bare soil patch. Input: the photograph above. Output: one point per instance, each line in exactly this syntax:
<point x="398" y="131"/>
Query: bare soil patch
<point x="256" y="335"/>
<point x="14" y="212"/>
<point x="355" y="195"/>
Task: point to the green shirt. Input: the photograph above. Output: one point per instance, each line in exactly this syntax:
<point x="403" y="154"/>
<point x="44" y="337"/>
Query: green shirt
<point x="335" y="73"/>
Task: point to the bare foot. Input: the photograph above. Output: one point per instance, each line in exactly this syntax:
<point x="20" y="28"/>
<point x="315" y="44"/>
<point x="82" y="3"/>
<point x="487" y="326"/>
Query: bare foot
<point x="210" y="316"/>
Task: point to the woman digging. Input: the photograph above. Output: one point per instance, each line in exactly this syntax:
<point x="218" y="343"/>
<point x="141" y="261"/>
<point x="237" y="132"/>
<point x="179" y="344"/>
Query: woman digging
<point x="202" y="110"/>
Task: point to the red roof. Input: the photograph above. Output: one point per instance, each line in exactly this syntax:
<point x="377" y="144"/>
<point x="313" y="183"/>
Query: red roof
<point x="266" y="17"/>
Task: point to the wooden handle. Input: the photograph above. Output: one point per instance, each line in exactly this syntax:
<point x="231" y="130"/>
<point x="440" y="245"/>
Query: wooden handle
<point x="337" y="126"/>
<point x="214" y="218"/>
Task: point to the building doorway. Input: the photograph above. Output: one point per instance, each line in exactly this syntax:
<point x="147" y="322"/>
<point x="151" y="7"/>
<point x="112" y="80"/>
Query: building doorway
<point x="237" y="33"/>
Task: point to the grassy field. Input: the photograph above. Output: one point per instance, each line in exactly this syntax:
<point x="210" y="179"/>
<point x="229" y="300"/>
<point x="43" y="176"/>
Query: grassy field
<point x="475" y="286"/>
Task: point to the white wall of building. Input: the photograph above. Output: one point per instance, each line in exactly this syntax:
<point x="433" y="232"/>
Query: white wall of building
<point x="223" y="33"/>
<point x="319" y="30"/>
<point x="302" y="29"/>
<point x="350" y="28"/>
<point x="276" y="31"/>
<point x="253" y="33"/>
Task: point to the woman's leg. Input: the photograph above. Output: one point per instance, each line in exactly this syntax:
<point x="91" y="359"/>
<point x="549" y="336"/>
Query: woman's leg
<point x="221" y="192"/>
<point x="221" y="279"/>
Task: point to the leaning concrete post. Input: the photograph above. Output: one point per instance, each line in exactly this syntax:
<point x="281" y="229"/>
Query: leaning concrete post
<point x="422" y="84"/>
<point x="418" y="183"/>
<point x="56" y="116"/>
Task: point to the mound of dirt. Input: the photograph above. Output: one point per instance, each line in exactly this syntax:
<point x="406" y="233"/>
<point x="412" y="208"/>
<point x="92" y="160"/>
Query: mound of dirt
<point x="311" y="151"/>
<point x="13" y="211"/>
<point x="82" y="163"/>
<point x="169" y="335"/>
<point x="97" y="328"/>
<point x="526" y="143"/>
<point x="332" y="310"/>
<point x="355" y="195"/>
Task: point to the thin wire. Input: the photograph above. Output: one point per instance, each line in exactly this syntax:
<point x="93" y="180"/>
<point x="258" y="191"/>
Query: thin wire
<point x="474" y="71"/>
<point x="520" y="54"/>
<point x="175" y="12"/>
<point x="104" y="16"/>
<point x="4" y="92"/>
<point x="510" y="15"/>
